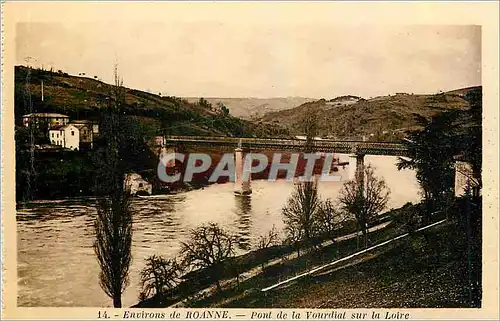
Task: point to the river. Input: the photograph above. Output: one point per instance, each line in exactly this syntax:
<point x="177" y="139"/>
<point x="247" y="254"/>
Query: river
<point x="56" y="262"/>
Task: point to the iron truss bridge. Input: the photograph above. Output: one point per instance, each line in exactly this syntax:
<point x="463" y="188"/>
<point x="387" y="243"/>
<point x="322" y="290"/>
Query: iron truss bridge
<point x="327" y="146"/>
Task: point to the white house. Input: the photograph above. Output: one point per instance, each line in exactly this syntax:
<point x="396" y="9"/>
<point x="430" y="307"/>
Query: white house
<point x="66" y="136"/>
<point x="77" y="135"/>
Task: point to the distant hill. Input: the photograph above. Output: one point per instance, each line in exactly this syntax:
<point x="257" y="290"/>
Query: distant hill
<point x="252" y="108"/>
<point x="84" y="98"/>
<point x="383" y="118"/>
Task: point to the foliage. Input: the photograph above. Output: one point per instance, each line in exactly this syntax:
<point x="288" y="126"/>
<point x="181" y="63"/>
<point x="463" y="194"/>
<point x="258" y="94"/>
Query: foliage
<point x="223" y="109"/>
<point x="364" y="200"/>
<point x="445" y="136"/>
<point x="411" y="217"/>
<point x="472" y="143"/>
<point x="54" y="175"/>
<point x="209" y="245"/>
<point x="432" y="150"/>
<point x="158" y="276"/>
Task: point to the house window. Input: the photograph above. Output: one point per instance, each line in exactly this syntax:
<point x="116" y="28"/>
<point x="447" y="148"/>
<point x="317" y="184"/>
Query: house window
<point x="52" y="135"/>
<point x="140" y="185"/>
<point x="72" y="133"/>
<point x="57" y="136"/>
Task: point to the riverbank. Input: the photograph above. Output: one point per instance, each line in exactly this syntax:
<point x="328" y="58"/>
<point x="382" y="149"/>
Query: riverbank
<point x="273" y="264"/>
<point x="426" y="269"/>
<point x="411" y="273"/>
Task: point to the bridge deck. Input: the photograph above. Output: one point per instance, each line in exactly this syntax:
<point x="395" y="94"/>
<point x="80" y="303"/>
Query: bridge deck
<point x="327" y="146"/>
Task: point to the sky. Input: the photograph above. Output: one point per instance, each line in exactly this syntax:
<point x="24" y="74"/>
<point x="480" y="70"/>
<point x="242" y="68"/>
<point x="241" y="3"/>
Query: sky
<point x="251" y="58"/>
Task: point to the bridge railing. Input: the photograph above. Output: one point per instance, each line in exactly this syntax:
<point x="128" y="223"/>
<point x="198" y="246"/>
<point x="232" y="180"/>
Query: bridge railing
<point x="356" y="147"/>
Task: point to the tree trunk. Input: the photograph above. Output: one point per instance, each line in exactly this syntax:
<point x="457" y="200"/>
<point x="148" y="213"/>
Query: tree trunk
<point x="365" y="236"/>
<point x="117" y="301"/>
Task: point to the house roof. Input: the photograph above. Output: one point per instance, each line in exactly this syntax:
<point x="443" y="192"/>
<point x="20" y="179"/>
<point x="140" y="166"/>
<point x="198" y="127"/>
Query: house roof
<point x="61" y="127"/>
<point x="57" y="127"/>
<point x="79" y="126"/>
<point x="45" y="115"/>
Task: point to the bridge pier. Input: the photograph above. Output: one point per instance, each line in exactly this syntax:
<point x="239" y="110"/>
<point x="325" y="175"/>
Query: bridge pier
<point x="356" y="168"/>
<point x="465" y="178"/>
<point x="164" y="151"/>
<point x="242" y="173"/>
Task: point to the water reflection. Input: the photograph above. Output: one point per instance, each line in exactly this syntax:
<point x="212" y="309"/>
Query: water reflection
<point x="244" y="223"/>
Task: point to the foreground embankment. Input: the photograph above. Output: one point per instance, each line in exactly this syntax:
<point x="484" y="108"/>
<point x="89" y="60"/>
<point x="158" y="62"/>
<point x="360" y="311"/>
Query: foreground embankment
<point x="429" y="268"/>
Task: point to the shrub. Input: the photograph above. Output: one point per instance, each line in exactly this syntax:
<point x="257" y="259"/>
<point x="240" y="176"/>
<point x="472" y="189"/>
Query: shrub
<point x="158" y="276"/>
<point x="208" y="247"/>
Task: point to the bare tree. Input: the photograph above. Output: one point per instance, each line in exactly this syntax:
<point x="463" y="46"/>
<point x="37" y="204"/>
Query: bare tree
<point x="329" y="220"/>
<point x="364" y="202"/>
<point x="113" y="227"/>
<point x="158" y="276"/>
<point x="271" y="238"/>
<point x="301" y="212"/>
<point x="208" y="247"/>
<point x="113" y="224"/>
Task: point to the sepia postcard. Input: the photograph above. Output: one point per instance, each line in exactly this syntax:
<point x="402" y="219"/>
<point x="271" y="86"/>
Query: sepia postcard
<point x="250" y="160"/>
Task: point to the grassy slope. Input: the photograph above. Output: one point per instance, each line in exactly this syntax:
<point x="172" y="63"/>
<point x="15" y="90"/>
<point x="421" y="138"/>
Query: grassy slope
<point x="426" y="269"/>
<point x="83" y="98"/>
<point x="394" y="113"/>
<point x="411" y="273"/>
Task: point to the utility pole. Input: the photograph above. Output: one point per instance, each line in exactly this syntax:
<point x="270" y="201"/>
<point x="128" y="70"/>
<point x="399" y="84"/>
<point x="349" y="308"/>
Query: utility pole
<point x="32" y="122"/>
<point x="42" y="89"/>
